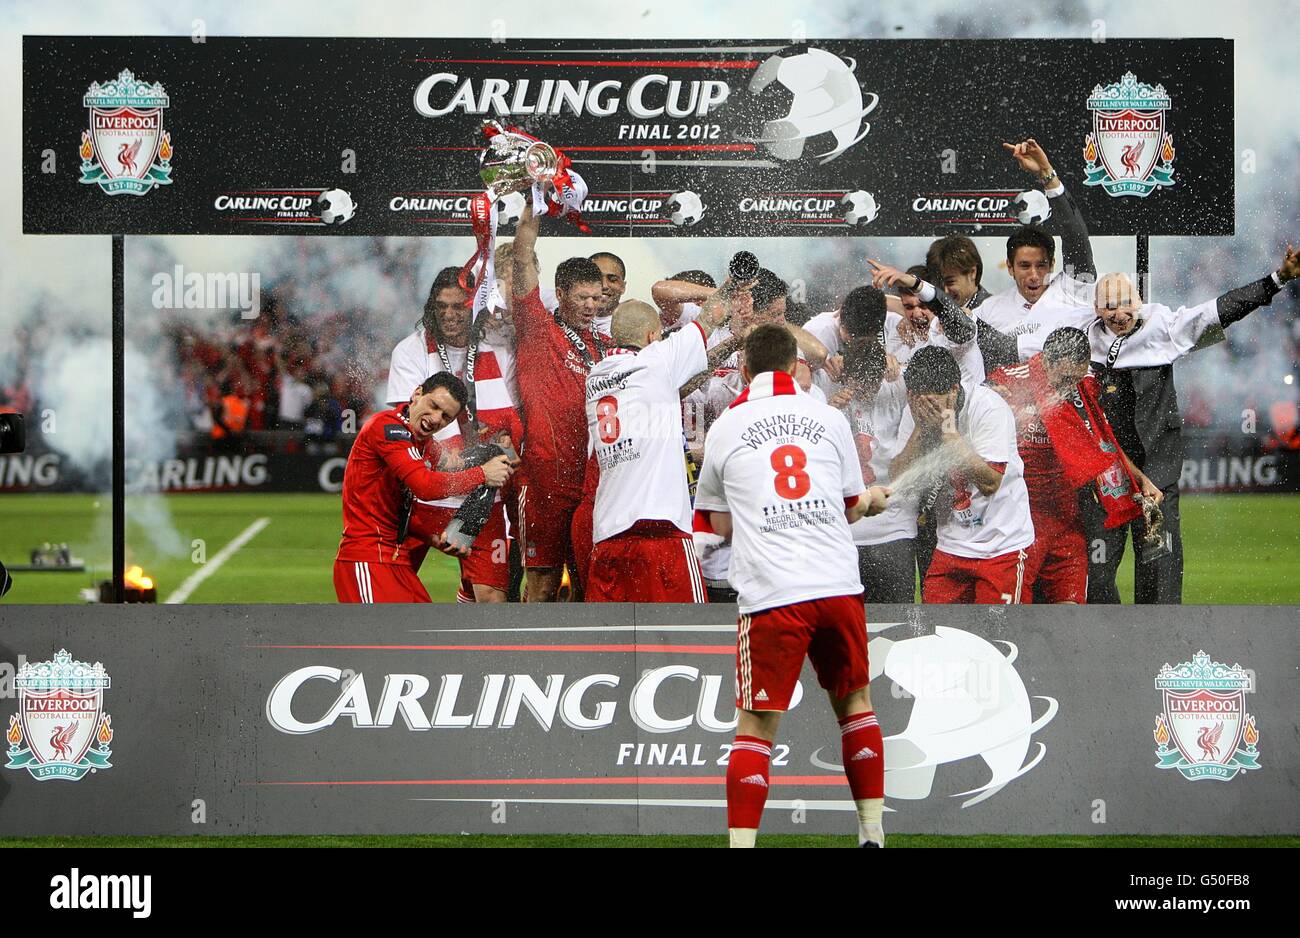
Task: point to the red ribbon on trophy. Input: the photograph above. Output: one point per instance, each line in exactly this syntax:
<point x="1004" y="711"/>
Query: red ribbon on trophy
<point x="513" y="161"/>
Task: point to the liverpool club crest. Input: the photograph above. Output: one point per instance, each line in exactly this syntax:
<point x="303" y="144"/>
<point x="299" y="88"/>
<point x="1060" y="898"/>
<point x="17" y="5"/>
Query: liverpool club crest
<point x="1130" y="151"/>
<point x="61" y="730"/>
<point x="1205" y="731"/>
<point x="126" y="149"/>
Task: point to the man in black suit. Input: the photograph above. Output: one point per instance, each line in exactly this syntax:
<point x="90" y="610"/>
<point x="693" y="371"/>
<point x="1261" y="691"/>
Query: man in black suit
<point x="1134" y="348"/>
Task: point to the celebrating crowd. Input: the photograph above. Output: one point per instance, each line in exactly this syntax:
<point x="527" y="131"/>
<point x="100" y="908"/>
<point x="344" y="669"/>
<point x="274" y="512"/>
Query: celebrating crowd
<point x="1008" y="444"/>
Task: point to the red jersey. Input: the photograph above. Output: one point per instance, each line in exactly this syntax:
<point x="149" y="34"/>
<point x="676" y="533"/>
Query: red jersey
<point x="386" y="461"/>
<point x="553" y="390"/>
<point x="1050" y="493"/>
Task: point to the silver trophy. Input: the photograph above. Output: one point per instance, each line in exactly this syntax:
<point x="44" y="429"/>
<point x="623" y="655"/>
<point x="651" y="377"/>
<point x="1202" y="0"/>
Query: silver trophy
<point x="1156" y="543"/>
<point x="513" y="162"/>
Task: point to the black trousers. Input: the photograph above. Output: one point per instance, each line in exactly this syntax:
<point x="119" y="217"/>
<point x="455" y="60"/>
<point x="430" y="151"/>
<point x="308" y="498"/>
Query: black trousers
<point x="888" y="571"/>
<point x="718" y="594"/>
<point x="1160" y="581"/>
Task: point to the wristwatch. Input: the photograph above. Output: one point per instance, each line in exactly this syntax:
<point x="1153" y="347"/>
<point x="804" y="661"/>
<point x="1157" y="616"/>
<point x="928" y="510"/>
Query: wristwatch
<point x="1048" y="178"/>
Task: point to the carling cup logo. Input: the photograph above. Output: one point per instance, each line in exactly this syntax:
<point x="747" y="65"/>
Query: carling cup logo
<point x="1205" y="719"/>
<point x="61" y="719"/>
<point x="126" y="148"/>
<point x="1129" y="152"/>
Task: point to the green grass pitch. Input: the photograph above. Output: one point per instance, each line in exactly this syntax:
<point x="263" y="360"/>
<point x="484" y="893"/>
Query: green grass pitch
<point x="1240" y="549"/>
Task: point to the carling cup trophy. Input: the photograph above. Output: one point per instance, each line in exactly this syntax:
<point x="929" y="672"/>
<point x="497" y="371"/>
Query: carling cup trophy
<point x="1155" y="542"/>
<point x="513" y="161"/>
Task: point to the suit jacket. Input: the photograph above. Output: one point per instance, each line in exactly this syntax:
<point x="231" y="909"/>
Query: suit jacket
<point x="1142" y="403"/>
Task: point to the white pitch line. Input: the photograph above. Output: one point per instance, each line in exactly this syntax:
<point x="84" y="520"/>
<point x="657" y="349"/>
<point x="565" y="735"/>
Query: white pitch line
<point x="192" y="582"/>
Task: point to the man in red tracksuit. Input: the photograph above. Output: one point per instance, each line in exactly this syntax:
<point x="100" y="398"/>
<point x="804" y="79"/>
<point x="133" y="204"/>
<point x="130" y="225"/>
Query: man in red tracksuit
<point x="555" y="353"/>
<point x="391" y="464"/>
<point x="1066" y="443"/>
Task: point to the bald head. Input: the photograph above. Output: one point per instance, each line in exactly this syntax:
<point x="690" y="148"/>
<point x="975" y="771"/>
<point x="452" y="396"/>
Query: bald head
<point x="635" y="323"/>
<point x="1117" y="302"/>
<point x="1116" y="290"/>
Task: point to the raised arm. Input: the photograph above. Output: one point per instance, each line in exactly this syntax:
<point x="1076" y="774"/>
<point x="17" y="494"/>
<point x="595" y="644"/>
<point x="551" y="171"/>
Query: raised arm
<point x="813" y="349"/>
<point x="957" y="326"/>
<point x="1237" y="304"/>
<point x="669" y="295"/>
<point x="1066" y="219"/>
<point x="523" y="275"/>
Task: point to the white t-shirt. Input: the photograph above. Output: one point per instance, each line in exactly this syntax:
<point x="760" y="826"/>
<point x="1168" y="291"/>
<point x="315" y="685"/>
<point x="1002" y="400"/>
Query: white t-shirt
<point x="895" y="344"/>
<point x="974" y="525"/>
<point x="1064" y="300"/>
<point x="783" y="464"/>
<point x="601" y="324"/>
<point x="634" y="424"/>
<point x="689" y="313"/>
<point x="1163" y="336"/>
<point x="875" y="429"/>
<point x="702" y="408"/>
<point x="825" y="328"/>
<point x="718" y="335"/>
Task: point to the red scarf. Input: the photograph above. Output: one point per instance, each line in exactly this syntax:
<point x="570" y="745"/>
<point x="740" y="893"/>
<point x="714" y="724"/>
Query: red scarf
<point x="1086" y="452"/>
<point x="494" y="408"/>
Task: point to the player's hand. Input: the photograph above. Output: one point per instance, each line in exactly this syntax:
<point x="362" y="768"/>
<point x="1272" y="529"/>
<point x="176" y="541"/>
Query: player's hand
<point x="878" y="499"/>
<point x="448" y="548"/>
<point x="926" y="412"/>
<point x="882" y="275"/>
<point x="740" y="310"/>
<point x="834" y="366"/>
<point x="502" y="439"/>
<point x="497" y="471"/>
<point x="1030" y="156"/>
<point x="1290" y="268"/>
<point x="841" y="398"/>
<point x="1149" y="490"/>
<point x="892" y="368"/>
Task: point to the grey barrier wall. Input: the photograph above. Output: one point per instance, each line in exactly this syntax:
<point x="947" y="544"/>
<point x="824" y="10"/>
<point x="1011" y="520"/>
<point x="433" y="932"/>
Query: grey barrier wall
<point x="618" y="718"/>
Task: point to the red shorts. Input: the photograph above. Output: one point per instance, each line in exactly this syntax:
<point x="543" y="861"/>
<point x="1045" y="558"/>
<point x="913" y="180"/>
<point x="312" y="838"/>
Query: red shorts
<point x="488" y="563"/>
<point x="645" y="565"/>
<point x="770" y="648"/>
<point x="357" y="582"/>
<point x="1058" y="562"/>
<point x="991" y="581"/>
<point x="545" y="519"/>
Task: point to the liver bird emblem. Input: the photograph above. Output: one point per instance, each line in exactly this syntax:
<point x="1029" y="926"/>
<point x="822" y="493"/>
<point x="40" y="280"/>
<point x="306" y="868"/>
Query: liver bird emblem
<point x="61" y="741"/>
<point x="1208" y="740"/>
<point x="1131" y="155"/>
<point x="127" y="153"/>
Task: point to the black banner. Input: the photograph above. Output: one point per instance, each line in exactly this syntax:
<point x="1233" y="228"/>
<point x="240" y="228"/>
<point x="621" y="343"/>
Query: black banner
<point x="730" y="138"/>
<point x="1211" y="463"/>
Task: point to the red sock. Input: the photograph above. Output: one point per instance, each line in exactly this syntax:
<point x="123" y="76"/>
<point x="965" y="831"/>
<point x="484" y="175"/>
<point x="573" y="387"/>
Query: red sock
<point x="864" y="755"/>
<point x="747" y="781"/>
